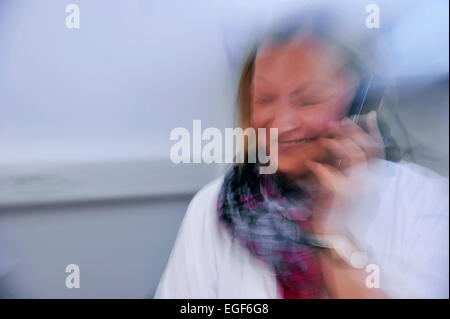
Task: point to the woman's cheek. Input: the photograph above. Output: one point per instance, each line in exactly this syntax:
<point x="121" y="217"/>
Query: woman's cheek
<point x="324" y="120"/>
<point x="261" y="117"/>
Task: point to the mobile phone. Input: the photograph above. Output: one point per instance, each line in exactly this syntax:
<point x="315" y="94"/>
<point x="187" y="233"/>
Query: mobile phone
<point x="369" y="96"/>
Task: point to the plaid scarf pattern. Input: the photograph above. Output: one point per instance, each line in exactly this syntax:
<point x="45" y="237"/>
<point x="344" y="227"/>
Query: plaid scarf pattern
<point x="269" y="217"/>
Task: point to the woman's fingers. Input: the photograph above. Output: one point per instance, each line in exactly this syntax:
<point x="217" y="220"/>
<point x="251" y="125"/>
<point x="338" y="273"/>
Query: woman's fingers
<point x="360" y="137"/>
<point x="371" y="146"/>
<point x="345" y="150"/>
<point x="374" y="131"/>
<point x="372" y="126"/>
<point x="328" y="176"/>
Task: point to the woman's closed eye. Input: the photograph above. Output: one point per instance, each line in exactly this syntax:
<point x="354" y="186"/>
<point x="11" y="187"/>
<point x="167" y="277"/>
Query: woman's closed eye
<point x="307" y="101"/>
<point x="263" y="100"/>
<point x="310" y="98"/>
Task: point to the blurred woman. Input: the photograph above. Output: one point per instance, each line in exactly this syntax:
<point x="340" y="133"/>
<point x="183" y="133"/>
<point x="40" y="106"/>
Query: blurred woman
<point x="340" y="218"/>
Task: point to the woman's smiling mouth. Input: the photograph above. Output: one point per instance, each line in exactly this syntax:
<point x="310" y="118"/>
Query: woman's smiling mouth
<point x="294" y="144"/>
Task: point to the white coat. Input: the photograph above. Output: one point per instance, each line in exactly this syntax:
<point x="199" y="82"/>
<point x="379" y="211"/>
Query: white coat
<point x="402" y="222"/>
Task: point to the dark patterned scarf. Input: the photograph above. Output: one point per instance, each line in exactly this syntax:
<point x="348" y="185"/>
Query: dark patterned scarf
<point x="269" y="216"/>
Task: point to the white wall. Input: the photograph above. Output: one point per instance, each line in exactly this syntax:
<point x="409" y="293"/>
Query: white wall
<point x="85" y="120"/>
<point x="113" y="89"/>
<point x="120" y="247"/>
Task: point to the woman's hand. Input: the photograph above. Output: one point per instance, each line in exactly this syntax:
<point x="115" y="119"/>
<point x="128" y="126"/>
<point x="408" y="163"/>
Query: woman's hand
<point x="351" y="149"/>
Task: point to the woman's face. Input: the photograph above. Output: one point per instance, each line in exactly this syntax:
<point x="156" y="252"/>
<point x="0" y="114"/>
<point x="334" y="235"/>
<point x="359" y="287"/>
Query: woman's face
<point x="300" y="88"/>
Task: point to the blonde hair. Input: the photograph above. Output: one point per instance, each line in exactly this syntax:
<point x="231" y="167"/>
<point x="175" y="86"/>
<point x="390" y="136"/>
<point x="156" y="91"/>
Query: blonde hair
<point x="244" y="92"/>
